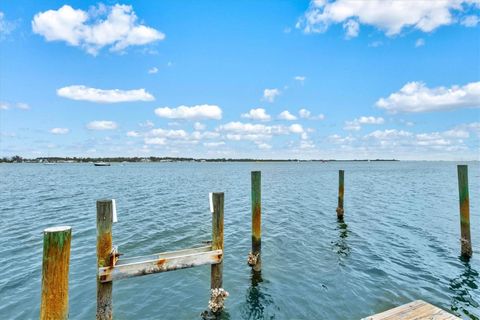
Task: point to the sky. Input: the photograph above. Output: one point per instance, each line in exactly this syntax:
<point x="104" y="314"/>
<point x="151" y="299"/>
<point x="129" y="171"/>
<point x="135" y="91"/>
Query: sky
<point x="342" y="79"/>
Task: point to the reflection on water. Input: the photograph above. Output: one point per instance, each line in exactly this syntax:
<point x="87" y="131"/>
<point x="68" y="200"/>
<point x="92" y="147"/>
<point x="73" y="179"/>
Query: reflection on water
<point x="223" y="315"/>
<point x="209" y="315"/>
<point x="462" y="287"/>
<point x="258" y="301"/>
<point x="341" y="245"/>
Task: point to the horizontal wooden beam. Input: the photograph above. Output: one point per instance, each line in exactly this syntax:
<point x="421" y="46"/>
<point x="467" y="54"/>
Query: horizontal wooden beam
<point x="161" y="262"/>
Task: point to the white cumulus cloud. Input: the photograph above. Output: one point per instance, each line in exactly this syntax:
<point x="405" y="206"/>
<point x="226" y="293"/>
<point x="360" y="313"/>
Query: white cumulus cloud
<point x="472" y="127"/>
<point x="391" y="16"/>
<point x="449" y="140"/>
<point x="156" y="141"/>
<point x="352" y="28"/>
<point x="198" y="112"/>
<point x="146" y="124"/>
<point x="80" y="92"/>
<point x="250" y="128"/>
<point x="153" y="70"/>
<point x="470" y="21"/>
<point x="296" y="128"/>
<point x="286" y="115"/>
<point x="257" y="114"/>
<point x="306" y="114"/>
<point x="133" y="134"/>
<point x="269" y="95"/>
<point x="356" y="124"/>
<point x="102" y="125"/>
<point x="337" y="139"/>
<point x="306" y="144"/>
<point x="59" y="130"/>
<point x="199" y="126"/>
<point x="213" y="144"/>
<point x="116" y="27"/>
<point x="251" y="132"/>
<point x="160" y="136"/>
<point x="417" y="97"/>
<point x="300" y="79"/>
<point x="264" y="146"/>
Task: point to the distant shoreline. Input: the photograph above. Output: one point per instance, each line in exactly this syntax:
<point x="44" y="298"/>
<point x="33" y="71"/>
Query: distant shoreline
<point x="18" y="159"/>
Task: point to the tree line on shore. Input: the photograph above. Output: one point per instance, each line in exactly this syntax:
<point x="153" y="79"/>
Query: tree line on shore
<point x="19" y="159"/>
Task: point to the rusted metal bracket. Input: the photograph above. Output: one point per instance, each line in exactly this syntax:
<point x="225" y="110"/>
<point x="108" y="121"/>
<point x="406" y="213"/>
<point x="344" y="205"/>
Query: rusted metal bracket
<point x="114" y="256"/>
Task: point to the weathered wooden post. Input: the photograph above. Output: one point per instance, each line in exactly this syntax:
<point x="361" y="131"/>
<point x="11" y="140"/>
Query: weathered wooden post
<point x="254" y="258"/>
<point x="56" y="262"/>
<point x="217" y="293"/>
<point x="340" y="195"/>
<point x="217" y="239"/>
<point x="466" y="242"/>
<point x="104" y="252"/>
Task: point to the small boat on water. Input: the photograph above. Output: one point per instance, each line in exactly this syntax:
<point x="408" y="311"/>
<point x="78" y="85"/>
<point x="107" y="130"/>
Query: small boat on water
<point x="101" y="164"/>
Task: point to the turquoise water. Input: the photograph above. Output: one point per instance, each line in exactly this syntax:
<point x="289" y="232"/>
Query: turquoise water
<point x="399" y="241"/>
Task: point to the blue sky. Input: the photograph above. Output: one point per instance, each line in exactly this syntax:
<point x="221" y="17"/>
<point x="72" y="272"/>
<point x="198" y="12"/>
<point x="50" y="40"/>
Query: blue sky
<point x="264" y="79"/>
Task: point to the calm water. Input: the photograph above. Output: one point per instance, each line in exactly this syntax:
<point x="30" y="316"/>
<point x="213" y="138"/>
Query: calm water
<point x="399" y="241"/>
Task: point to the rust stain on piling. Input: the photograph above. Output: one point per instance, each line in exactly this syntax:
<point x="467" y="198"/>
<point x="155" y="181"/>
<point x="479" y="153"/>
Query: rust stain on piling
<point x="217" y="222"/>
<point x="104" y="245"/>
<point x="56" y="258"/>
<point x="104" y="254"/>
<point x="341" y="190"/>
<point x="257" y="222"/>
<point x="465" y="211"/>
<point x="161" y="262"/>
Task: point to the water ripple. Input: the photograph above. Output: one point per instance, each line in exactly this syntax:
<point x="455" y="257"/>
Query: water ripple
<point x="399" y="241"/>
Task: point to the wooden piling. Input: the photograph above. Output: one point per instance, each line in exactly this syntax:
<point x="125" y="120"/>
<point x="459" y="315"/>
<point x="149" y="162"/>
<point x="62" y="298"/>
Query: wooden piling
<point x="55" y="266"/>
<point x="216" y="281"/>
<point x="257" y="219"/>
<point x="340" y="194"/>
<point x="466" y="242"/>
<point x="104" y="251"/>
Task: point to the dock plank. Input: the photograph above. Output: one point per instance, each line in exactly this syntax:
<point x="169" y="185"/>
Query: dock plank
<point x="416" y="310"/>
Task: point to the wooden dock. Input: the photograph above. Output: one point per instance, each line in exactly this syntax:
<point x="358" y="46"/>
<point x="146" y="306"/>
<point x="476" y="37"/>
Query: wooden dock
<point x="416" y="310"/>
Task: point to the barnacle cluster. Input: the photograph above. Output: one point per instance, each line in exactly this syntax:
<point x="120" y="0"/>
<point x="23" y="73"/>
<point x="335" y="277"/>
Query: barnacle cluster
<point x="252" y="259"/>
<point x="217" y="299"/>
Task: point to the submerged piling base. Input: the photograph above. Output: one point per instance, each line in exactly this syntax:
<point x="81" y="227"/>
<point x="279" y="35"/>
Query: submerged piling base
<point x="340" y="212"/>
<point x="418" y="310"/>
